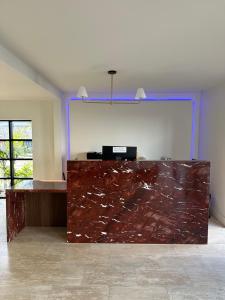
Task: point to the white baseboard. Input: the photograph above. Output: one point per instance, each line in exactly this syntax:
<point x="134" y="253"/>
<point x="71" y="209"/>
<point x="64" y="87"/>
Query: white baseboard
<point x="217" y="215"/>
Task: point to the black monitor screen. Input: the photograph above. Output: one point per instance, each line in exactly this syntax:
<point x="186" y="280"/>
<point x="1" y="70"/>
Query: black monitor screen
<point x="119" y="153"/>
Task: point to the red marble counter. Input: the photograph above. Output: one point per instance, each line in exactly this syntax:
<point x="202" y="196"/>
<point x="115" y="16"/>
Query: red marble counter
<point x="35" y="203"/>
<point x="138" y="202"/>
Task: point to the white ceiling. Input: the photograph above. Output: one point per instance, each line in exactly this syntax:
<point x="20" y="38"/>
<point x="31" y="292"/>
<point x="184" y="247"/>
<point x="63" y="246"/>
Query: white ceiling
<point x="14" y="86"/>
<point x="161" y="45"/>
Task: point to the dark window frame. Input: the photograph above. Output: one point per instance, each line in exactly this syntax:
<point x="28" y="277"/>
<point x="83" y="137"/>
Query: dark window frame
<point x="11" y="159"/>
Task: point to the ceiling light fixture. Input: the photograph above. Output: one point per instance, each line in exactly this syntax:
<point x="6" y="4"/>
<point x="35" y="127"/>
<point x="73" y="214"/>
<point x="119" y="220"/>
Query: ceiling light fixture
<point x="82" y="93"/>
<point x="140" y="94"/>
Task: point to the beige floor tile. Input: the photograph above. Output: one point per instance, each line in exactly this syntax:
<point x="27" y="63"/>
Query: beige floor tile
<point x="197" y="293"/>
<point x="125" y="293"/>
<point x="55" y="292"/>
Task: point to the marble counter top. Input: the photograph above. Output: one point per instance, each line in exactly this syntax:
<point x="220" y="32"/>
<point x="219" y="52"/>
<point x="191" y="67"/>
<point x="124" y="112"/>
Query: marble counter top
<point x="38" y="186"/>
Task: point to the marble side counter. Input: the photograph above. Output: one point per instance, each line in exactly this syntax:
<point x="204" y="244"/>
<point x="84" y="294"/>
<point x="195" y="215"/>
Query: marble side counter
<point x="157" y="202"/>
<point x="35" y="203"/>
<point x="57" y="186"/>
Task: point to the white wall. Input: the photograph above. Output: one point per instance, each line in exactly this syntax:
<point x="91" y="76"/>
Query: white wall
<point x="60" y="139"/>
<point x="212" y="145"/>
<point x="65" y="134"/>
<point x="46" y="141"/>
<point x="158" y="129"/>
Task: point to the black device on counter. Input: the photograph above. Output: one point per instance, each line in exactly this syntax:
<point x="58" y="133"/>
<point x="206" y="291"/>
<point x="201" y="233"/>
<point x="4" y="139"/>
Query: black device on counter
<point x="94" y="155"/>
<point x="119" y="153"/>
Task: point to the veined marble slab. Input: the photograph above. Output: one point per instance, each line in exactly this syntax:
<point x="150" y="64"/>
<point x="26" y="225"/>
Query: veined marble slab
<point x="157" y="202"/>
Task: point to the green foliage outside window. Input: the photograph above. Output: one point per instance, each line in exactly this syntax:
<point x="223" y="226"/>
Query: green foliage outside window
<point x="21" y="149"/>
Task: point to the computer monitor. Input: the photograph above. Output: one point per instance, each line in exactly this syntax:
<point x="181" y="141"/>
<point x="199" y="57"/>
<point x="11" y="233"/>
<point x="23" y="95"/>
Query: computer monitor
<point x="119" y="153"/>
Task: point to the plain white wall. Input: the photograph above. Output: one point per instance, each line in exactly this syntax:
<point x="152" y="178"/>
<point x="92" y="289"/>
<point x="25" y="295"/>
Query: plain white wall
<point x="60" y="138"/>
<point x="65" y="134"/>
<point x="46" y="142"/>
<point x="212" y="145"/>
<point x="158" y="129"/>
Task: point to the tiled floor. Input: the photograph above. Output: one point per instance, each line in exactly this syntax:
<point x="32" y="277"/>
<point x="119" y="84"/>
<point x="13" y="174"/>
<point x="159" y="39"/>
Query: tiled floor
<point x="38" y="264"/>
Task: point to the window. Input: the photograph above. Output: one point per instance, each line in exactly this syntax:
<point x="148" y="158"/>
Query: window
<point x="16" y="162"/>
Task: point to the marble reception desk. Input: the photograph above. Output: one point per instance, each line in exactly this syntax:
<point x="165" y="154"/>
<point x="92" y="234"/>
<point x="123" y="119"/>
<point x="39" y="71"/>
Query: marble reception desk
<point x="158" y="202"/>
<point x="138" y="202"/>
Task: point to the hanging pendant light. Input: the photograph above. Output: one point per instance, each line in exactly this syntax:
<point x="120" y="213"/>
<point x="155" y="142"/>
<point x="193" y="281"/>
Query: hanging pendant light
<point x="82" y="93"/>
<point x="140" y="94"/>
